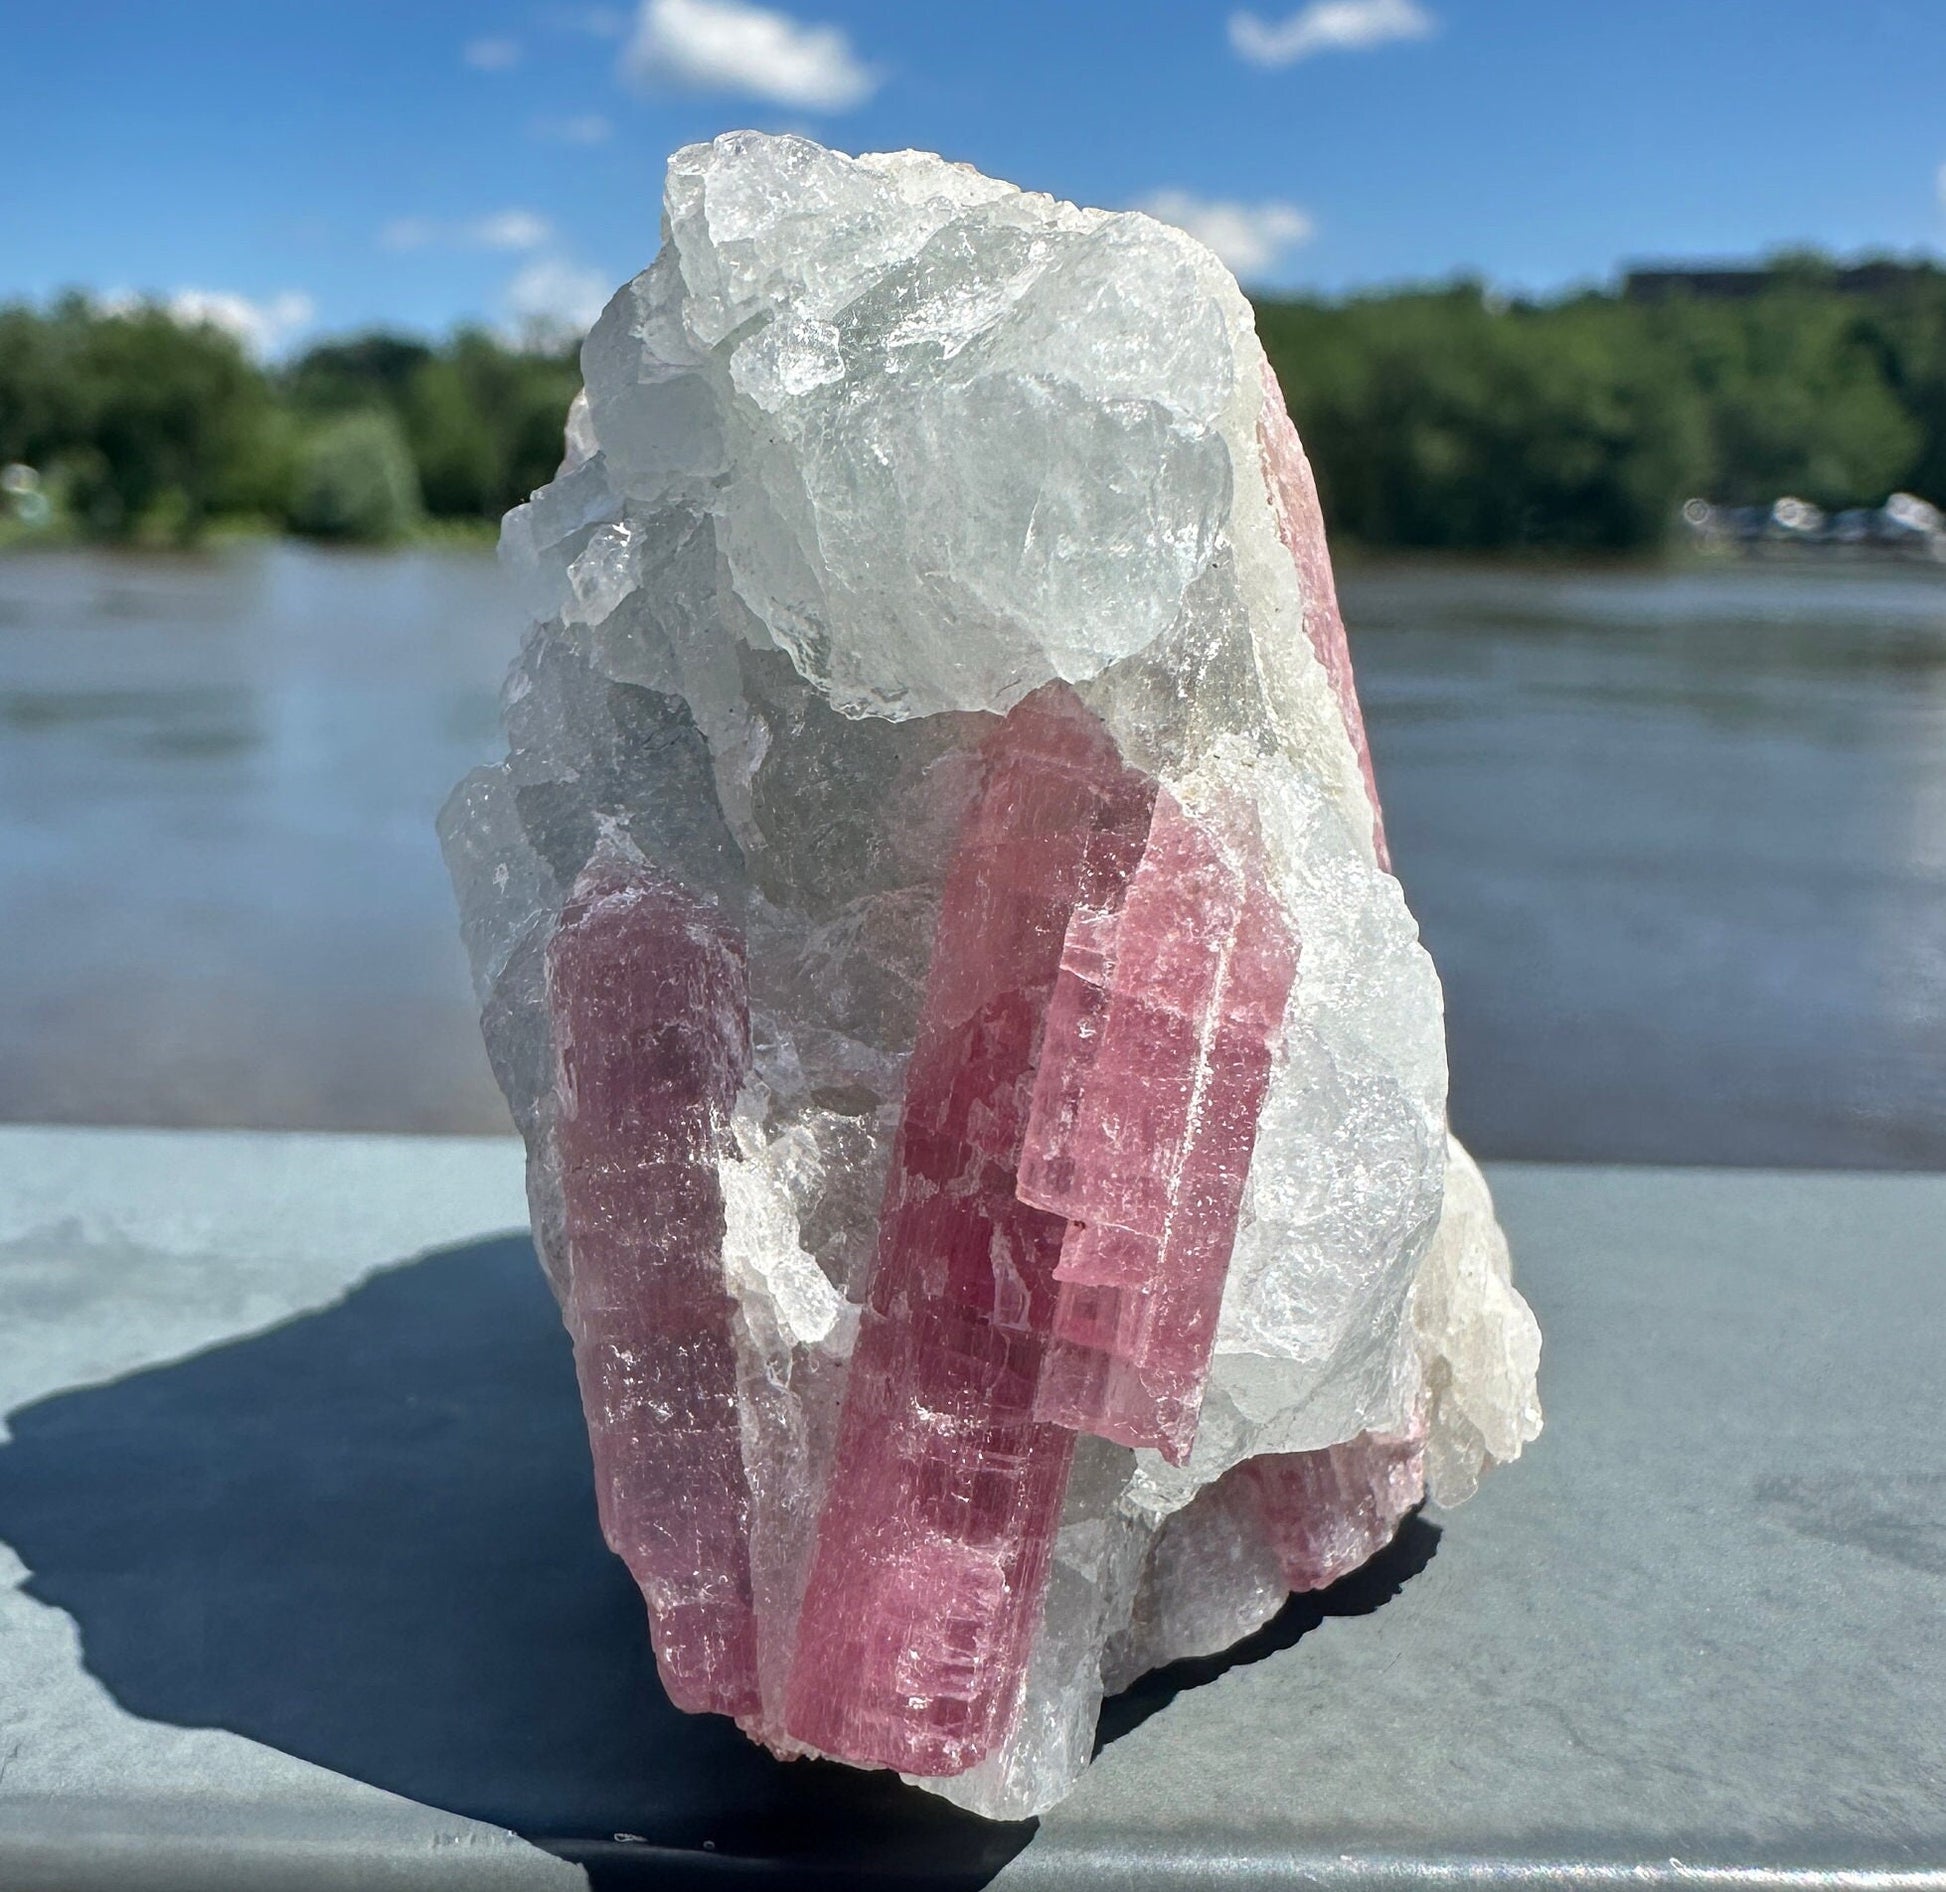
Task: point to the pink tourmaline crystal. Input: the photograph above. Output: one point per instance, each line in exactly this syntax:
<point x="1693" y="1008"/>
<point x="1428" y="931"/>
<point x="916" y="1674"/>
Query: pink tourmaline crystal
<point x="937" y="737"/>
<point x="1158" y="1055"/>
<point x="652" y="1035"/>
<point x="933" y="1549"/>
<point x="1325" y="1513"/>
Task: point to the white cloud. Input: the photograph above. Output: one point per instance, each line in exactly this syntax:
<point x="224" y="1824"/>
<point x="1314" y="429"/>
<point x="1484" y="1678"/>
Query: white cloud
<point x="511" y="230"/>
<point x="1250" y="238"/>
<point x="552" y="301"/>
<point x="587" y="128"/>
<point x="499" y="230"/>
<point x="730" y="46"/>
<point x="1328" y="26"/>
<point x="492" y="55"/>
<point x="262" y="327"/>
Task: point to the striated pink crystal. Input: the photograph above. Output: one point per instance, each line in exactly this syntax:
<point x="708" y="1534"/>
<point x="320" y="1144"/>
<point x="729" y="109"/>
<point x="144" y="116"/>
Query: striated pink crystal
<point x="1159" y="1045"/>
<point x="1325" y="1513"/>
<point x="646" y="991"/>
<point x="1300" y="524"/>
<point x="932" y="1553"/>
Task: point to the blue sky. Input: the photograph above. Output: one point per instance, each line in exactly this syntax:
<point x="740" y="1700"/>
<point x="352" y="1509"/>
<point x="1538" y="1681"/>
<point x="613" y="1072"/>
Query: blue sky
<point x="306" y="168"/>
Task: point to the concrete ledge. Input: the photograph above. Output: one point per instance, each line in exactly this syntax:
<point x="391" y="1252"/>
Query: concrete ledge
<point x="305" y="1589"/>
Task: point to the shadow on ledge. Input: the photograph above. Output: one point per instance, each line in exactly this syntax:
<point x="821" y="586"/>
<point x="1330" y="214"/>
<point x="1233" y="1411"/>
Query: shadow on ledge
<point x="1359" y="1594"/>
<point x="367" y="1538"/>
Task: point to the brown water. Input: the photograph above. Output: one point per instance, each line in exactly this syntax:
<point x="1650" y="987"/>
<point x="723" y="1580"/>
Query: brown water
<point x="1677" y="841"/>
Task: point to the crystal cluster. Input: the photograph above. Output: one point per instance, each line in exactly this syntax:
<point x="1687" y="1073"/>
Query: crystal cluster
<point x="984" y="1094"/>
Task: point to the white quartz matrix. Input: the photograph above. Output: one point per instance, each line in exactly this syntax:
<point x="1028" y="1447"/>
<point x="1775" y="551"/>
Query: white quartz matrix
<point x="875" y="449"/>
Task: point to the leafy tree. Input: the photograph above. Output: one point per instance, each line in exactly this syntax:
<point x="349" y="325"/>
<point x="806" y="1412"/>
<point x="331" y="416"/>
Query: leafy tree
<point x="485" y="423"/>
<point x="151" y="422"/>
<point x="1796" y="399"/>
<point x="372" y="370"/>
<point x="1904" y="330"/>
<point x="1438" y="419"/>
<point x="355" y="480"/>
<point x="483" y="420"/>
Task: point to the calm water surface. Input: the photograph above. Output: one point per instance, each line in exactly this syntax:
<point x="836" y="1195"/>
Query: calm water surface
<point x="1677" y="841"/>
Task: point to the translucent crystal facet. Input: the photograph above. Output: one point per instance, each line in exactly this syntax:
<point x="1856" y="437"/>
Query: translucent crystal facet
<point x="984" y="1095"/>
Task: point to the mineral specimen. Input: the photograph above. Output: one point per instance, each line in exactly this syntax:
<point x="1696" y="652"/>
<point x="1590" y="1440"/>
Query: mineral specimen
<point x="984" y="1095"/>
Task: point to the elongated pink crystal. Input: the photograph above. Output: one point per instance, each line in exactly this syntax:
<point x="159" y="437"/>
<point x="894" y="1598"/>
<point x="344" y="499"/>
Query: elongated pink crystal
<point x="1300" y="524"/>
<point x="932" y="1554"/>
<point x="1325" y="1513"/>
<point x="1159" y="1046"/>
<point x="647" y="995"/>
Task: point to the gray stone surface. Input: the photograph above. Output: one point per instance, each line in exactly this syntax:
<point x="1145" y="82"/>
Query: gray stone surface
<point x="305" y="1587"/>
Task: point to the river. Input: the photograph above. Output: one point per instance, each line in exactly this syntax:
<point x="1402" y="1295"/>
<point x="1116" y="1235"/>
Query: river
<point x="1677" y="841"/>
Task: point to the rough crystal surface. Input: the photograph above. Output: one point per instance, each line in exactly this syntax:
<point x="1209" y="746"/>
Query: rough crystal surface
<point x="984" y="1095"/>
<point x="651" y="1036"/>
<point x="1153" y="1068"/>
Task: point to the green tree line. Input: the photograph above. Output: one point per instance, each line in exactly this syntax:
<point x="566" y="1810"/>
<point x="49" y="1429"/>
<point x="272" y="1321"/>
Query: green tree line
<point x="1447" y="418"/>
<point x="1441" y="418"/>
<point x="143" y="426"/>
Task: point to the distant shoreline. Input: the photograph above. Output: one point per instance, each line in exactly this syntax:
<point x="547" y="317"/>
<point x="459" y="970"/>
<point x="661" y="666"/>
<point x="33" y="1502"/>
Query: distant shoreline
<point x="1439" y="420"/>
<point x="1350" y="558"/>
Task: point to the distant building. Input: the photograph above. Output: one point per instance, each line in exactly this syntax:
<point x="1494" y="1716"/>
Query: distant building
<point x="1737" y="282"/>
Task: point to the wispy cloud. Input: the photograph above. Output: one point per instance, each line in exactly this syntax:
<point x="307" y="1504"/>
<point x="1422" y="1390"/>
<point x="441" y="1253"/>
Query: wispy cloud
<point x="491" y="55"/>
<point x="511" y="230"/>
<point x="499" y="230"/>
<point x="1328" y="26"/>
<point x="1250" y="238"/>
<point x="263" y="327"/>
<point x="730" y="46"/>
<point x="586" y="128"/>
<point x="552" y="300"/>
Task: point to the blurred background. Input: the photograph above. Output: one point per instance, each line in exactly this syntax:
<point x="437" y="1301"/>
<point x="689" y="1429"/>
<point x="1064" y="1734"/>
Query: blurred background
<point x="1618" y="336"/>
